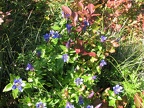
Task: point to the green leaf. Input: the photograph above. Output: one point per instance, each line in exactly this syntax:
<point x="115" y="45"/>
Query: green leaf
<point x="8" y="87"/>
<point x="119" y="98"/>
<point x="15" y="93"/>
<point x="112" y="103"/>
<point x="64" y="48"/>
<point x="55" y="27"/>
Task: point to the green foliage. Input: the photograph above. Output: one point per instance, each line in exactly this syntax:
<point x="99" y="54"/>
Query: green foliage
<point x="57" y="52"/>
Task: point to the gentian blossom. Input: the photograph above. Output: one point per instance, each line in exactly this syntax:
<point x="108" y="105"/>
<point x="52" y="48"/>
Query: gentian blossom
<point x="86" y="23"/>
<point x="94" y="77"/>
<point x="40" y="105"/>
<point x="52" y="32"/>
<point x="91" y="94"/>
<point x="68" y="43"/>
<point x="18" y="83"/>
<point x="55" y="35"/>
<point x="103" y="63"/>
<point x="117" y="89"/>
<point x="64" y="15"/>
<point x="69" y="105"/>
<point x="38" y="53"/>
<point x="103" y="38"/>
<point x="29" y="67"/>
<point x="65" y="57"/>
<point x="46" y="37"/>
<point x="81" y="101"/>
<point x="68" y="26"/>
<point x="90" y="106"/>
<point x="79" y="81"/>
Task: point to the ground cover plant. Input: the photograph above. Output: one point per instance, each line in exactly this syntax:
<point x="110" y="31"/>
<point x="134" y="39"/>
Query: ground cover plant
<point x="72" y="54"/>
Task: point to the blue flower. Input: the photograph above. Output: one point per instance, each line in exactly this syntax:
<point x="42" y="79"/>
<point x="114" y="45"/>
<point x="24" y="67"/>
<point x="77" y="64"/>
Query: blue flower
<point x="64" y="15"/>
<point x="81" y="101"/>
<point x="68" y="26"/>
<point x="117" y="89"/>
<point x="79" y="81"/>
<point x="38" y="53"/>
<point x="56" y="35"/>
<point x="103" y="63"/>
<point x="86" y="23"/>
<point x="69" y="105"/>
<point x="65" y="57"/>
<point x="90" y="106"/>
<point x="103" y="38"/>
<point x="29" y="67"/>
<point x="52" y="32"/>
<point x="94" y="77"/>
<point x="18" y="83"/>
<point x="40" y="105"/>
<point x="46" y="37"/>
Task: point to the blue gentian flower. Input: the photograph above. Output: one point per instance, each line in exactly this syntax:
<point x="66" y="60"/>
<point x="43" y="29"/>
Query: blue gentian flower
<point x="64" y="15"/>
<point x="68" y="44"/>
<point x="68" y="26"/>
<point x="79" y="81"/>
<point x="56" y="35"/>
<point x="65" y="57"/>
<point x="86" y="23"/>
<point x="90" y="106"/>
<point x="46" y="37"/>
<point x="69" y="105"/>
<point x="52" y="32"/>
<point x="103" y="38"/>
<point x="91" y="94"/>
<point x="103" y="63"/>
<point x="29" y="67"/>
<point x="40" y="105"/>
<point x="117" y="89"/>
<point x="18" y="83"/>
<point x="94" y="77"/>
<point x="81" y="101"/>
<point x="38" y="53"/>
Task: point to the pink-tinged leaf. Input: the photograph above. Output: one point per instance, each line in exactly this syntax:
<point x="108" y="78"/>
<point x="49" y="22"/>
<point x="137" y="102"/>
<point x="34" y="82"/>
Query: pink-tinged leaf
<point x="137" y="100"/>
<point x="95" y="14"/>
<point x="84" y="53"/>
<point x="99" y="105"/>
<point x="91" y="8"/>
<point x="79" y="29"/>
<point x="66" y="10"/>
<point x="80" y="4"/>
<point x="92" y="54"/>
<point x="74" y="18"/>
<point x="77" y="51"/>
<point x="143" y="25"/>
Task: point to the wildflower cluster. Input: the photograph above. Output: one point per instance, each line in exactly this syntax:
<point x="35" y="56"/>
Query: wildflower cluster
<point x="62" y="71"/>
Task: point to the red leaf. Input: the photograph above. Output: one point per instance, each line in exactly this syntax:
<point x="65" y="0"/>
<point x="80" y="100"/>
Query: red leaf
<point x="66" y="10"/>
<point x="77" y="51"/>
<point x="143" y="25"/>
<point x="92" y="54"/>
<point x="91" y="8"/>
<point x="80" y="4"/>
<point x="74" y="17"/>
<point x="84" y="53"/>
<point x="137" y="100"/>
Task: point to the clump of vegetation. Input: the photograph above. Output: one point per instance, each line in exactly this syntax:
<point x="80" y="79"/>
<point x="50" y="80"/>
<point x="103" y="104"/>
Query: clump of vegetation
<point x="72" y="54"/>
